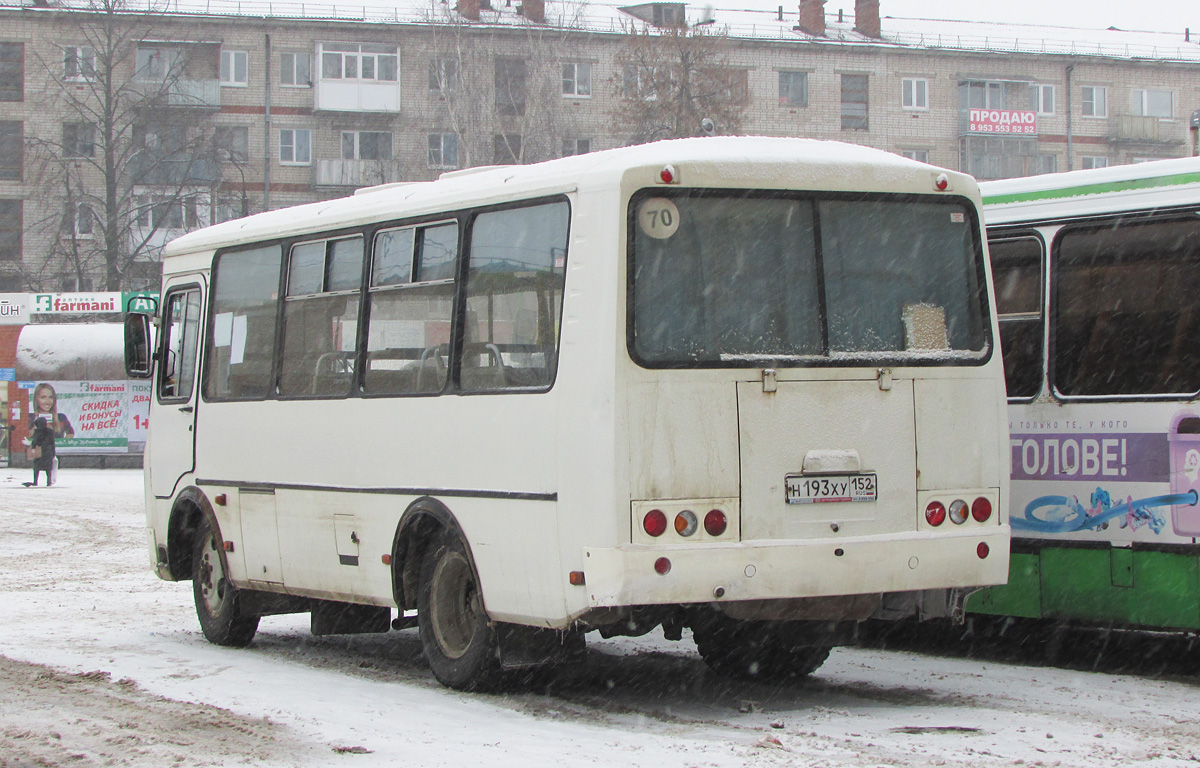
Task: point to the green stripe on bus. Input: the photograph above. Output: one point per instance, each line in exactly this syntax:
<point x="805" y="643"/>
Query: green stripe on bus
<point x="1095" y="189"/>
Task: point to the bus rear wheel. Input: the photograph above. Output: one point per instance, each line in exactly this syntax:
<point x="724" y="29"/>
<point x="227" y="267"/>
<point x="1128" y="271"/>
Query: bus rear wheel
<point x="217" y="600"/>
<point x="766" y="651"/>
<point x="458" y="640"/>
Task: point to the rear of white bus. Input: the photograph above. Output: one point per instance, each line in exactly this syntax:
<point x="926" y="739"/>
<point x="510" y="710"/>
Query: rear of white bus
<point x="814" y="404"/>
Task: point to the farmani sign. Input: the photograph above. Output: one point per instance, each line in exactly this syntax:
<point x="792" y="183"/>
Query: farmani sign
<point x="1013" y="122"/>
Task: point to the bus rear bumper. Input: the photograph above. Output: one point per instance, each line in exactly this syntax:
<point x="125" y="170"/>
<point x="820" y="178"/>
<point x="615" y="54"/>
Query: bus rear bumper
<point x="755" y="570"/>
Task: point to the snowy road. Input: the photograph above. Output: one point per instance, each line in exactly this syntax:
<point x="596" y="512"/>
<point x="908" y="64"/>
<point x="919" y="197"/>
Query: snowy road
<point x="103" y="664"/>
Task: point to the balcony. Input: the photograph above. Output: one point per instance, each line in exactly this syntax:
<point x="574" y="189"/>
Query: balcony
<point x="354" y="173"/>
<point x="357" y="96"/>
<point x="146" y="169"/>
<point x="194" y="94"/>
<point x="1136" y="129"/>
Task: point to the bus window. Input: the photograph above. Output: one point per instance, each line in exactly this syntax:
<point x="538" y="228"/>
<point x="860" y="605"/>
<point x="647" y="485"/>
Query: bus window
<point x="1017" y="269"/>
<point x="321" y="318"/>
<point x="1125" y="315"/>
<point x="181" y="329"/>
<point x="241" y="347"/>
<point x="734" y="280"/>
<point x="514" y="297"/>
<point x="411" y="304"/>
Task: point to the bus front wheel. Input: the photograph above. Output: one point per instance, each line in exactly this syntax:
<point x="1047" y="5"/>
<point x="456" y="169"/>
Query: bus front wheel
<point x="458" y="640"/>
<point x="217" y="600"/>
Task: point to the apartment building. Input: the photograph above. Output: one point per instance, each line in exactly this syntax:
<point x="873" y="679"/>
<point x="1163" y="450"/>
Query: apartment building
<point x="222" y="108"/>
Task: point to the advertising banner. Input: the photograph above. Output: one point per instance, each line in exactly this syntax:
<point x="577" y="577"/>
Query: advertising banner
<point x="88" y="416"/>
<point x="85" y="303"/>
<point x="1013" y="122"/>
<point x="14" y="308"/>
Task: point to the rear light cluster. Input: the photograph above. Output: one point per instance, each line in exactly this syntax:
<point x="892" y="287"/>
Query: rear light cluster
<point x="679" y="521"/>
<point x="958" y="511"/>
<point x="686" y="523"/>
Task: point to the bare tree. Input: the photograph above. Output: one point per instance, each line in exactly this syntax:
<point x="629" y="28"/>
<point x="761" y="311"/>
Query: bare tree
<point x="131" y="162"/>
<point x="669" y="80"/>
<point x="499" y="106"/>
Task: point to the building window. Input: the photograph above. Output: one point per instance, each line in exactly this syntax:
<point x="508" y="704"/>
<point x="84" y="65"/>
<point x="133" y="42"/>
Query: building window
<point x="576" y="147"/>
<point x="443" y="75"/>
<point x="1043" y="98"/>
<point x="160" y="63"/>
<point x="164" y="212"/>
<point x="295" y="69"/>
<point x="1148" y="103"/>
<point x="642" y="82"/>
<point x="79" y="62"/>
<point x="915" y="93"/>
<point x="79" y="140"/>
<point x="81" y="221"/>
<point x="854" y="102"/>
<point x="1092" y="161"/>
<point x="577" y="79"/>
<point x="232" y="142"/>
<point x="510" y="86"/>
<point x="295" y="146"/>
<point x="234" y="68"/>
<point x="12" y="150"/>
<point x="10" y="230"/>
<point x="229" y="208"/>
<point x="352" y="61"/>
<point x="506" y="149"/>
<point x="728" y="86"/>
<point x="12" y="71"/>
<point x="366" y="145"/>
<point x="1095" y="101"/>
<point x="793" y="89"/>
<point x="920" y="155"/>
<point x="443" y="150"/>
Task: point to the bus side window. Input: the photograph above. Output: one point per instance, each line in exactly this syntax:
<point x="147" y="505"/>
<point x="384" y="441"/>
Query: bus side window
<point x="514" y="298"/>
<point x="240" y="350"/>
<point x="178" y="369"/>
<point x="411" y="304"/>
<point x="1017" y="272"/>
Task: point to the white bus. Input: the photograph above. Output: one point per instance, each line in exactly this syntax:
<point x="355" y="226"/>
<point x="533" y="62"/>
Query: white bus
<point x="1098" y="288"/>
<point x="742" y="385"/>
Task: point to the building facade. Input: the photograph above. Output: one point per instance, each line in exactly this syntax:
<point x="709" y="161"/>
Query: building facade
<point x="122" y="129"/>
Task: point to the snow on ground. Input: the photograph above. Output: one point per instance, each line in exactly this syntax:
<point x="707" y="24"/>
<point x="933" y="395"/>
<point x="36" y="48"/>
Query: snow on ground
<point x="101" y="663"/>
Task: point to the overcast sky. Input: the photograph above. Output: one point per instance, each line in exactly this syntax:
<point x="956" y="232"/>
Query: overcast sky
<point x="1155" y="15"/>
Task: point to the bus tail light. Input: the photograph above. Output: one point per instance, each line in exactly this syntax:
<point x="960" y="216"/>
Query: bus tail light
<point x="981" y="510"/>
<point x="982" y="550"/>
<point x="958" y="511"/>
<point x="686" y="523"/>
<point x="715" y="523"/>
<point x="935" y="513"/>
<point x="655" y="522"/>
<point x="662" y="566"/>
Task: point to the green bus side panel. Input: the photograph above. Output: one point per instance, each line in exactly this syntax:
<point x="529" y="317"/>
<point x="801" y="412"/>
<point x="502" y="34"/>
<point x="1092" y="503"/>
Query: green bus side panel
<point x="1108" y="586"/>
<point x="1021" y="596"/>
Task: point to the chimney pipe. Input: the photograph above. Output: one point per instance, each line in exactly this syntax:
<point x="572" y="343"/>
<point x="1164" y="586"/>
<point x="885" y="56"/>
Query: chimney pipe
<point x="534" y="10"/>
<point x="469" y="9"/>
<point x="866" y="17"/>
<point x="812" y="17"/>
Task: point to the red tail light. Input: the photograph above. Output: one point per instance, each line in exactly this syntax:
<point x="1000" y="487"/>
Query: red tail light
<point x="715" y="523"/>
<point x="935" y="513"/>
<point x="982" y="550"/>
<point x="655" y="522"/>
<point x="662" y="566"/>
<point x="958" y="512"/>
<point x="981" y="510"/>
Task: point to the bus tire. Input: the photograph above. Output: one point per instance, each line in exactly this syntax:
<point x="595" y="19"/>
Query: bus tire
<point x="218" y="602"/>
<point x="765" y="651"/>
<point x="457" y="638"/>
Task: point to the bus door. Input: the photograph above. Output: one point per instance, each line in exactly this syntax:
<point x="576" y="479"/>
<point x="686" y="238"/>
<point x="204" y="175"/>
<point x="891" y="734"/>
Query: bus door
<point x="171" y="448"/>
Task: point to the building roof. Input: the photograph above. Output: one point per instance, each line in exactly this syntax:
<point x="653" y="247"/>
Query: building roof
<point x="752" y="19"/>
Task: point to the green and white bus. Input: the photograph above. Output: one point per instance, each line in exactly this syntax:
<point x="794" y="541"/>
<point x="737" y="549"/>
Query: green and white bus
<point x="1098" y="288"/>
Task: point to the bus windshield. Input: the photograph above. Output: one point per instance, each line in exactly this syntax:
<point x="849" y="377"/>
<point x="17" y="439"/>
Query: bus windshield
<point x="734" y="279"/>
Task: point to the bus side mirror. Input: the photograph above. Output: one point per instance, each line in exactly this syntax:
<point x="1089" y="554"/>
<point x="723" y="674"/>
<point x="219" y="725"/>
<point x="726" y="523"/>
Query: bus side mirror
<point x="138" y="362"/>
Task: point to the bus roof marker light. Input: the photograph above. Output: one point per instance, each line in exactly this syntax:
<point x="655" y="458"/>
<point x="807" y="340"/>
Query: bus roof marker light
<point x="667" y="175"/>
<point x="941" y="182"/>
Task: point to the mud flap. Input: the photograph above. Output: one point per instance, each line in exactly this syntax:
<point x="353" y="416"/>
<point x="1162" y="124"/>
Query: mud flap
<point x="523" y="647"/>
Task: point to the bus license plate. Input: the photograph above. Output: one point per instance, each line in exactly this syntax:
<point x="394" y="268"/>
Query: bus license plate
<point x="820" y="489"/>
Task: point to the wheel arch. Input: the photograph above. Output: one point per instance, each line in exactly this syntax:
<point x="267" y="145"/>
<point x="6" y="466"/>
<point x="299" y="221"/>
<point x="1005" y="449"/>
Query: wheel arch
<point x="191" y="506"/>
<point x="420" y="523"/>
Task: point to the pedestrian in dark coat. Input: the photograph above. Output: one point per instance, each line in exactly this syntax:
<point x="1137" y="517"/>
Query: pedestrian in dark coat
<point x="43" y="437"/>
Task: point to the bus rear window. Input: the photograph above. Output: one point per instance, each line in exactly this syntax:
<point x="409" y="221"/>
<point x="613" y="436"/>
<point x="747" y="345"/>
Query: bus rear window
<point x="721" y="279"/>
